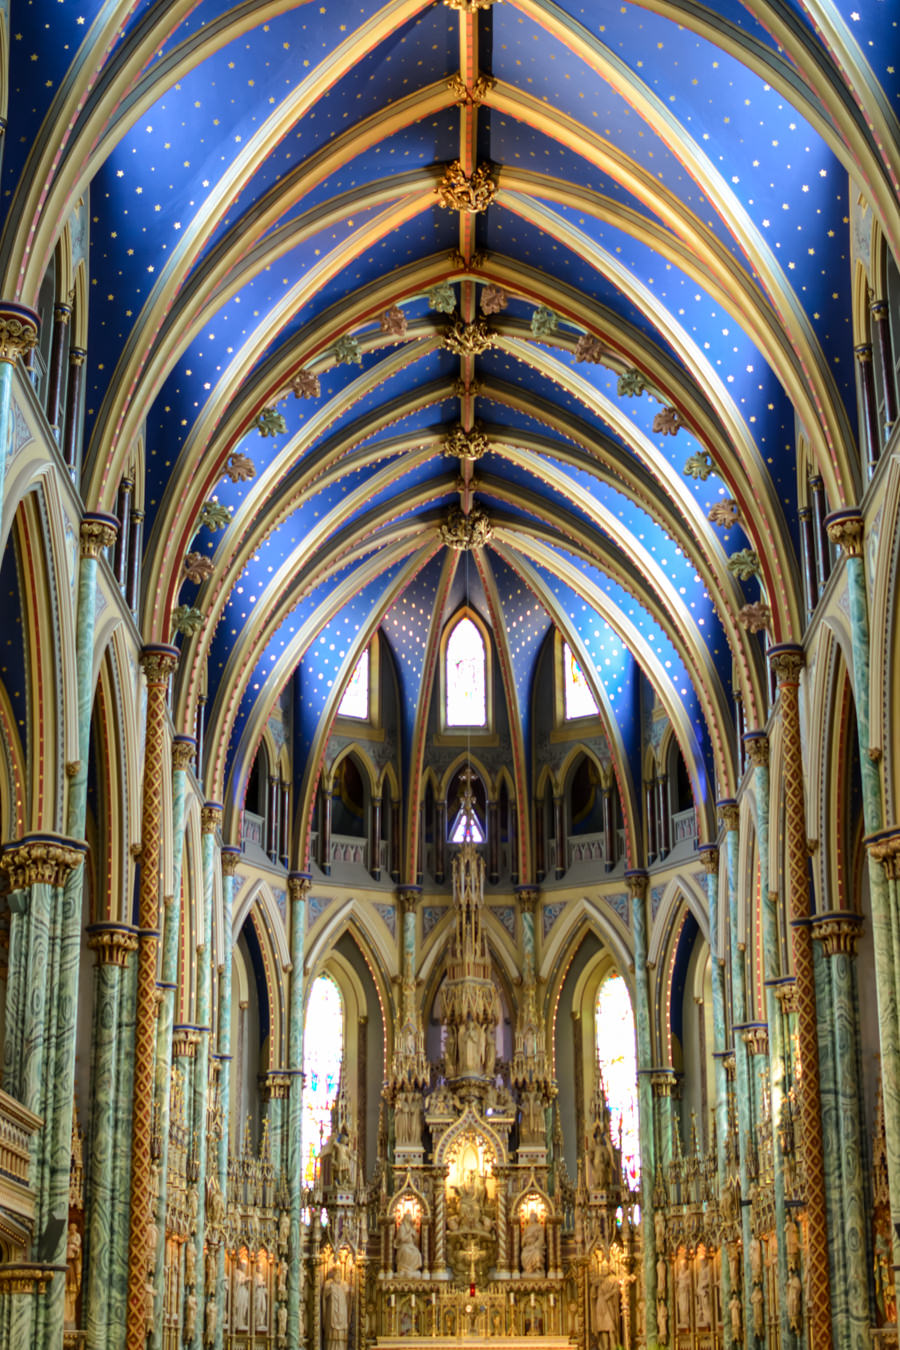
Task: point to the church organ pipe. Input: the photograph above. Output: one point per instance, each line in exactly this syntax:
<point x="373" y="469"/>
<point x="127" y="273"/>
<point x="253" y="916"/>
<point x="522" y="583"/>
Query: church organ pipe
<point x="325" y="829"/>
<point x="123" y="538"/>
<point x="823" y="546"/>
<point x="609" y="829"/>
<point x="420" y="845"/>
<point x="74" y="399"/>
<point x="135" y="540"/>
<point x="863" y="351"/>
<point x="540" y="863"/>
<point x="55" y="380"/>
<point x="809" y="559"/>
<point x="493" y="833"/>
<point x="662" y="810"/>
<point x="200" y="727"/>
<point x="273" y="821"/>
<point x="881" y="326"/>
<point x="395" y="840"/>
<point x="375" y="864"/>
<point x="559" y="830"/>
<point x="440" y="840"/>
<point x="285" y="840"/>
<point x="650" y="808"/>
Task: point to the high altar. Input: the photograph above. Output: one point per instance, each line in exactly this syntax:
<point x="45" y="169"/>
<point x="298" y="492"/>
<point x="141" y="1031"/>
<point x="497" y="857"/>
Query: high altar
<point x="465" y="1238"/>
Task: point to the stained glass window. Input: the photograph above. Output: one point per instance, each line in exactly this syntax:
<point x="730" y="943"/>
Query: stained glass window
<point x="355" y="702"/>
<point x="617" y="1057"/>
<point x="466" y="828"/>
<point x="466" y="677"/>
<point x="323" y="1049"/>
<point x="579" y="701"/>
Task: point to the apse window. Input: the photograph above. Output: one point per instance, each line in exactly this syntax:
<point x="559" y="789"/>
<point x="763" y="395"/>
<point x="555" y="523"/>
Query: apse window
<point x="355" y="702"/>
<point x="579" y="701"/>
<point x="466" y="677"/>
<point x="323" y="1052"/>
<point x="617" y="1061"/>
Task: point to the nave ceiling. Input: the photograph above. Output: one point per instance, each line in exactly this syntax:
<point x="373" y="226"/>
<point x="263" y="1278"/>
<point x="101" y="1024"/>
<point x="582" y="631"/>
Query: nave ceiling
<point x="648" y="317"/>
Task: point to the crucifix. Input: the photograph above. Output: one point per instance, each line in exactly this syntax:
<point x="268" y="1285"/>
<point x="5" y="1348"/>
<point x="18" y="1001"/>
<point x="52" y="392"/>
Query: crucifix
<point x="472" y="1252"/>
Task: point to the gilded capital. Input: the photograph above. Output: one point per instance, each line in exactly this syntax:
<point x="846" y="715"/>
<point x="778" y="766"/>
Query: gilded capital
<point x="637" y="884"/>
<point x="113" y="943"/>
<point x="298" y="886"/>
<point x="18" y="331"/>
<point x="787" y="662"/>
<point x="276" y="1085"/>
<point x="159" y="662"/>
<point x="885" y="849"/>
<point x="838" y="932"/>
<point x="756" y="743"/>
<point x="846" y="528"/>
<point x="730" y="813"/>
<point x="183" y="750"/>
<point x="409" y="898"/>
<point x="41" y="860"/>
<point x="98" y="531"/>
<point x="709" y="859"/>
<point x="528" y="898"/>
<point x="210" y="817"/>
<point x="231" y="856"/>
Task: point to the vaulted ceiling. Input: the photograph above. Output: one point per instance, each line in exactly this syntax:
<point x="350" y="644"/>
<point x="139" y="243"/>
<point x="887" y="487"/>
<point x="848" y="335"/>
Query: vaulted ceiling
<point x="300" y="310"/>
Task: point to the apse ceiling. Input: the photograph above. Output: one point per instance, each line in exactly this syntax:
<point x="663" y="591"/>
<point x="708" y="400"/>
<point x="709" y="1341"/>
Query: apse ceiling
<point x="369" y="281"/>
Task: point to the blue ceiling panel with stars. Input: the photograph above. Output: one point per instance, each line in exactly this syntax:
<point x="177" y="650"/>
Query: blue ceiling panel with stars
<point x="314" y="253"/>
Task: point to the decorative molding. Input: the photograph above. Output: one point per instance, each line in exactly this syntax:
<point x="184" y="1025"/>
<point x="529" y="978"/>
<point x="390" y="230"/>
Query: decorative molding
<point x="468" y="339"/>
<point x="463" y="532"/>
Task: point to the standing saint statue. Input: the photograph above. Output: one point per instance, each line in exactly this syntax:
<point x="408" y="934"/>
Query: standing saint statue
<point x="336" y="1299"/>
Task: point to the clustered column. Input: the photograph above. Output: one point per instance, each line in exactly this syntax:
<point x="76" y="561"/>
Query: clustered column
<point x="298" y="887"/>
<point x="158" y="662"/>
<point x="787" y="661"/>
<point x="636" y="881"/>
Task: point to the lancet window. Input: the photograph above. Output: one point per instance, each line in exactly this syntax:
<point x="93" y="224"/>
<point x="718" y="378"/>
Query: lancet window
<point x="323" y="1049"/>
<point x="466" y="677"/>
<point x="355" y="700"/>
<point x="579" y="701"/>
<point x="617" y="1059"/>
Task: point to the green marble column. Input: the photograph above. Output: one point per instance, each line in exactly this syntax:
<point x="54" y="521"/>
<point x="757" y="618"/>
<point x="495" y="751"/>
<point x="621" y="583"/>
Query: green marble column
<point x="37" y="868"/>
<point x="831" y="1145"/>
<point x="98" y="532"/>
<point x="183" y="750"/>
<point x="730" y="814"/>
<point x="113" y="944"/>
<point x="210" y="817"/>
<point x="231" y="856"/>
<point x="121" y="1211"/>
<point x="298" y="888"/>
<point x="18" y="334"/>
<point x="709" y="858"/>
<point x="757" y="744"/>
<point x="636" y="881"/>
<point x="845" y="528"/>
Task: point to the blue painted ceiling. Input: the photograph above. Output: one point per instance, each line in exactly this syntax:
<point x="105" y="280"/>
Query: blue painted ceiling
<point x="260" y="183"/>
